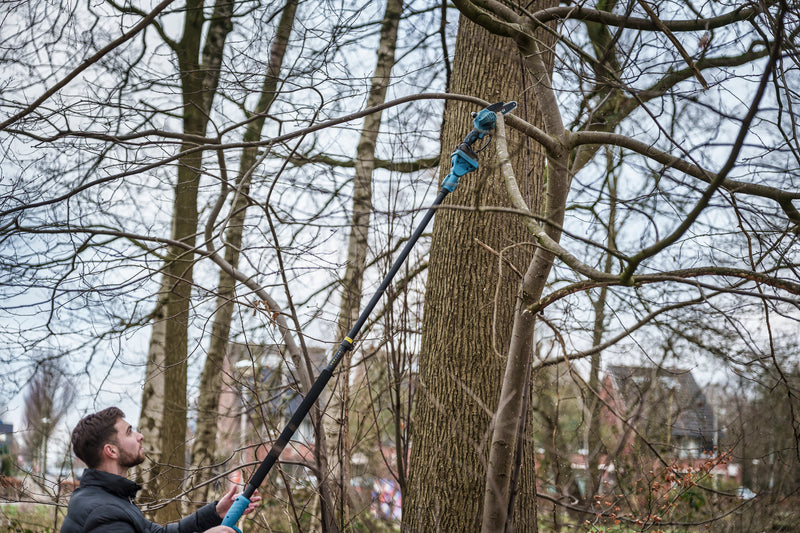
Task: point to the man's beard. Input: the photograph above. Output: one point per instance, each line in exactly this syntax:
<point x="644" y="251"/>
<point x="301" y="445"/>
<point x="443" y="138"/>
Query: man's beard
<point x="129" y="460"/>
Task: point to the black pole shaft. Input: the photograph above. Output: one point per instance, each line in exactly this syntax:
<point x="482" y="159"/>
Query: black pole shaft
<point x="346" y="345"/>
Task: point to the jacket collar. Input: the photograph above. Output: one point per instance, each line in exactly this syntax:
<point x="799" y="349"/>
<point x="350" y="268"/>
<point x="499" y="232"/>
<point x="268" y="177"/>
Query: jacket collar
<point x="111" y="483"/>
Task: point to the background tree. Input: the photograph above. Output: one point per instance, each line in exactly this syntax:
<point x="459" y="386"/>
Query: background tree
<point x="6" y="460"/>
<point x="50" y="396"/>
<point x="357" y="249"/>
<point x="204" y="445"/>
<point x="199" y="58"/>
<point x="758" y="426"/>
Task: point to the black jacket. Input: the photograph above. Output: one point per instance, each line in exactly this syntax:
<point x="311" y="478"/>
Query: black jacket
<point x="104" y="504"/>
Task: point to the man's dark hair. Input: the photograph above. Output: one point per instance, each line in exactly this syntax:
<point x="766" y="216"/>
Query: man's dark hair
<point x="93" y="432"/>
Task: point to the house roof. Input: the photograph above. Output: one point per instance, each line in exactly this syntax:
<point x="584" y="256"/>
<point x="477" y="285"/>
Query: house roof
<point x="671" y="392"/>
<point x="276" y="374"/>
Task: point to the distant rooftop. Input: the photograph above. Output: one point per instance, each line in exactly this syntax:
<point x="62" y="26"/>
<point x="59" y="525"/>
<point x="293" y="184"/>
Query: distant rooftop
<point x="674" y="389"/>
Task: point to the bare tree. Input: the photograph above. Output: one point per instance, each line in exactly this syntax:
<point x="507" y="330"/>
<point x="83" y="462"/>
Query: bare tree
<point x="50" y="395"/>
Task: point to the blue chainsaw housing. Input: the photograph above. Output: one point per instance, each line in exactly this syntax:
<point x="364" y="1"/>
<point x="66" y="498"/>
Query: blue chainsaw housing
<point x="464" y="159"/>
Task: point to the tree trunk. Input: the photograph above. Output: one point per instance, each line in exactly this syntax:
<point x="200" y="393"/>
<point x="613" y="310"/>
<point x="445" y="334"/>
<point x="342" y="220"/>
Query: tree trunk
<point x="555" y="465"/>
<point x="178" y="274"/>
<point x="595" y="444"/>
<point x="199" y="73"/>
<point x="469" y="305"/>
<point x="337" y="420"/>
<point x="153" y="398"/>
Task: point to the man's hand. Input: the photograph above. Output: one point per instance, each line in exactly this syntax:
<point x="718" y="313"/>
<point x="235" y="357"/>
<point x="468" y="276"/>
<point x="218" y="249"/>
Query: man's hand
<point x="220" y="529"/>
<point x="226" y="501"/>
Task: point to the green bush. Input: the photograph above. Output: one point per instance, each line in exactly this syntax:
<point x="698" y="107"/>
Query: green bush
<point x="6" y="461"/>
<point x="6" y="465"/>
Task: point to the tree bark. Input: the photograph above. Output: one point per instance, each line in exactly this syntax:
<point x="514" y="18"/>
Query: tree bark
<point x="153" y="398"/>
<point x="469" y="305"/>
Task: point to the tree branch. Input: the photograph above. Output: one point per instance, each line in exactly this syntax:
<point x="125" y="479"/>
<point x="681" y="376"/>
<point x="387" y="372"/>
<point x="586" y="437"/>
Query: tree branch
<point x="783" y="198"/>
<point x="741" y="14"/>
<point x="721" y="175"/>
<point x="86" y="64"/>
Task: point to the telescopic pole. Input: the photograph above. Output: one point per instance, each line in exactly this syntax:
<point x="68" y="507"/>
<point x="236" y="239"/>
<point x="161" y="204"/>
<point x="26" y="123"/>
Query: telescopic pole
<point x="463" y="160"/>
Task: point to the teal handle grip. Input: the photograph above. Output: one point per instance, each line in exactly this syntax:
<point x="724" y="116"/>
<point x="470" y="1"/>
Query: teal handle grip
<point x="235" y="512"/>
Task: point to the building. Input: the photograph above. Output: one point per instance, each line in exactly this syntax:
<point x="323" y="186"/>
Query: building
<point x="259" y="394"/>
<point x="666" y="406"/>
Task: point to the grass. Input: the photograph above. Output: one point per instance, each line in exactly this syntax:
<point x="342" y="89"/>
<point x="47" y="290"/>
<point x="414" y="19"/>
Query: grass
<point x="29" y="518"/>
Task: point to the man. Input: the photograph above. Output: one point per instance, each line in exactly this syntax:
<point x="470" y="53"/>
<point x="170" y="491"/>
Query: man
<point x="104" y="501"/>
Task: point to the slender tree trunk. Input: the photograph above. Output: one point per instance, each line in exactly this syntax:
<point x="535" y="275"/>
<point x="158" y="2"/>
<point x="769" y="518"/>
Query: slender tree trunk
<point x="204" y="445"/>
<point x="152" y="406"/>
<point x="556" y="461"/>
<point x="594" y="439"/>
<point x="337" y="420"/>
<point x="199" y="73"/>
<point x="178" y="274"/>
<point x="505" y="431"/>
<point x="469" y="306"/>
<point x="595" y="442"/>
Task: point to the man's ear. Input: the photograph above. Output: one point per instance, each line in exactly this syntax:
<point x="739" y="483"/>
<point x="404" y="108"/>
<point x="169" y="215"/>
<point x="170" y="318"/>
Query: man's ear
<point x="110" y="451"/>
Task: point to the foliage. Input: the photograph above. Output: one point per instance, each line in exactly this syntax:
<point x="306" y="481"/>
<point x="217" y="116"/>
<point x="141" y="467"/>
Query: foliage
<point x="6" y="460"/>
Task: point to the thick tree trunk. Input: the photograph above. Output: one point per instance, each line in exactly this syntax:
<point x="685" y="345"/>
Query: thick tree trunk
<point x="337" y="412"/>
<point x="469" y="306"/>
